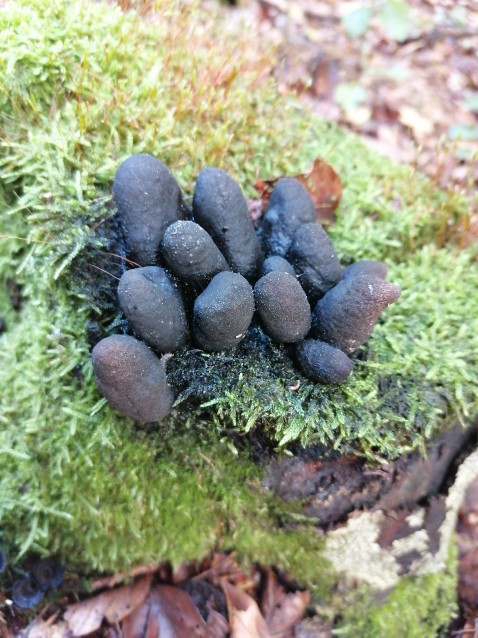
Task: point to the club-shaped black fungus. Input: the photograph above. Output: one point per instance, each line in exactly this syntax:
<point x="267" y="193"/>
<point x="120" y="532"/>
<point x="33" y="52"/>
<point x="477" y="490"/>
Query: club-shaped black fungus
<point x="322" y="362"/>
<point x="220" y="207"/>
<point x="315" y="262"/>
<point x="132" y="378"/>
<point x="191" y="255"/>
<point x="290" y="205"/>
<point x="274" y="263"/>
<point x="223" y="312"/>
<point x="48" y="573"/>
<point x="148" y="200"/>
<point x="154" y="307"/>
<point x="3" y="561"/>
<point x="346" y="315"/>
<point x="366" y="267"/>
<point x="283" y="307"/>
<point x="26" y="593"/>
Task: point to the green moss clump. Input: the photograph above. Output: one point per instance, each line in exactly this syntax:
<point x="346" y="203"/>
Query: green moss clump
<point x="82" y="86"/>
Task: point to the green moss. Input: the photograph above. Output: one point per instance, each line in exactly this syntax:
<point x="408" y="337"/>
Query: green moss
<point x="82" y="86"/>
<point x="419" y="607"/>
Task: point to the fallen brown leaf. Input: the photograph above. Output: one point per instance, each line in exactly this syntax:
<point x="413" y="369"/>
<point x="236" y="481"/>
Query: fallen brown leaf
<point x="323" y="184"/>
<point x="245" y="618"/>
<point x="223" y="566"/>
<point x="40" y="628"/>
<point x="114" y="606"/>
<point x="140" y="624"/>
<point x="282" y="610"/>
<point x="168" y="612"/>
<point x="112" y="581"/>
<point x="217" y="625"/>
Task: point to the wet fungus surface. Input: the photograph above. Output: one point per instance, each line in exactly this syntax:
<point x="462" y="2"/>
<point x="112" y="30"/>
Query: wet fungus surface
<point x="207" y="277"/>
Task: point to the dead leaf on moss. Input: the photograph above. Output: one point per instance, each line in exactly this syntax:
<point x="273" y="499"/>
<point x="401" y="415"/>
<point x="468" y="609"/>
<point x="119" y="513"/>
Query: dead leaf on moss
<point x="114" y="606"/>
<point x="321" y="181"/>
<point x="245" y="618"/>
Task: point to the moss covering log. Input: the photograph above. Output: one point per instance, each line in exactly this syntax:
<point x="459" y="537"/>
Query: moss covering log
<point x="83" y="86"/>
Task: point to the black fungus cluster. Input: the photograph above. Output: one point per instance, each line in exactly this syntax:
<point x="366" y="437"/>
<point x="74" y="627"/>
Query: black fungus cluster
<point x="204" y="274"/>
<point x="45" y="575"/>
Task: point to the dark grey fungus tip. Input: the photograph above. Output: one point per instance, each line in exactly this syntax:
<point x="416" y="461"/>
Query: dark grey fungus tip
<point x="290" y="205"/>
<point x="148" y="199"/>
<point x="368" y="267"/>
<point x="315" y="261"/>
<point x="191" y="254"/>
<point x="154" y="307"/>
<point x="223" y="312"/>
<point x="322" y="362"/>
<point x="347" y="314"/>
<point x="132" y="378"/>
<point x="283" y="307"/>
<point x="275" y="263"/>
<point x="220" y="207"/>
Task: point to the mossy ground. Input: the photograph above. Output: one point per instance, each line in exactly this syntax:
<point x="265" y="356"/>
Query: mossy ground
<point x="82" y="86"/>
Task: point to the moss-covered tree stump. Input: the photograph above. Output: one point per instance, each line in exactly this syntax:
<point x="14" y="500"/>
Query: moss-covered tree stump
<point x="352" y="489"/>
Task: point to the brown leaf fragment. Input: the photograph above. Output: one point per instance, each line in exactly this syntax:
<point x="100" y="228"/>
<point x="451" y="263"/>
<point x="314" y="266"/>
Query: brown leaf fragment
<point x="112" y="581"/>
<point x="170" y="614"/>
<point x="245" y="618"/>
<point x="86" y="616"/>
<point x="321" y="181"/>
<point x="467" y="536"/>
<point x="140" y="624"/>
<point x="282" y="610"/>
<point x="40" y="628"/>
<point x="325" y="188"/>
<point x="222" y="565"/>
<point x="254" y="208"/>
<point x="217" y="625"/>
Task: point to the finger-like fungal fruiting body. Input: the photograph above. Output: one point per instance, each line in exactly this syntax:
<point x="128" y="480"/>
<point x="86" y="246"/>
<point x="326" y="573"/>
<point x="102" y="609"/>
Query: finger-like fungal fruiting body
<point x="275" y="263"/>
<point x="322" y="362"/>
<point x="220" y="208"/>
<point x="209" y="276"/>
<point x="366" y="267"/>
<point x="283" y="307"/>
<point x="290" y="206"/>
<point x="191" y="254"/>
<point x="132" y="378"/>
<point x="148" y="199"/>
<point x="346" y="315"/>
<point x="154" y="307"/>
<point x="315" y="262"/>
<point x="223" y="312"/>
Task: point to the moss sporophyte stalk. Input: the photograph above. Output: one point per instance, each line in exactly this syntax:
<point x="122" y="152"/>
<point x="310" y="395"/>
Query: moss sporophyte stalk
<point x="82" y="481"/>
